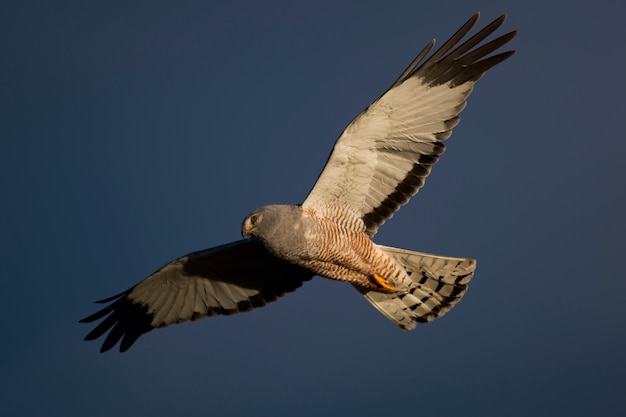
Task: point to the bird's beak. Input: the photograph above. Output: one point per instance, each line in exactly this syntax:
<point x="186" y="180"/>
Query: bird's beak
<point x="246" y="229"/>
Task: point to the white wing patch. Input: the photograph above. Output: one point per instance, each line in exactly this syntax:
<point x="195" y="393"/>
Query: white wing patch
<point x="384" y="156"/>
<point x="394" y="141"/>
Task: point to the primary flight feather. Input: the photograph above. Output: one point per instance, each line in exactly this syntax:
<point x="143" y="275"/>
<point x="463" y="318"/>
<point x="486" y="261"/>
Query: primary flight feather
<point x="380" y="160"/>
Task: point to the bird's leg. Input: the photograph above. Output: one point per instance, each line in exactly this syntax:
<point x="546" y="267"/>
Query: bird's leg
<point x="379" y="283"/>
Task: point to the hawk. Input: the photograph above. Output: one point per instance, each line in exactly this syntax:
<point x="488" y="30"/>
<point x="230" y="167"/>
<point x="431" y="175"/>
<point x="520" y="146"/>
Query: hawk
<point x="378" y="163"/>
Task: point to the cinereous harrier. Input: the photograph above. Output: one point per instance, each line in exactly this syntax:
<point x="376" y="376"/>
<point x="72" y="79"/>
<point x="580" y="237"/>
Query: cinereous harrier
<point x="379" y="161"/>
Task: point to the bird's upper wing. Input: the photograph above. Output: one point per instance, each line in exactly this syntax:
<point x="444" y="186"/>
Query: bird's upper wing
<point x="383" y="156"/>
<point x="227" y="279"/>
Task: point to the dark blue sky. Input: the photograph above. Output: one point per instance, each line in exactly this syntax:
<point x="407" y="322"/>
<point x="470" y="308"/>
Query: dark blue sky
<point x="135" y="133"/>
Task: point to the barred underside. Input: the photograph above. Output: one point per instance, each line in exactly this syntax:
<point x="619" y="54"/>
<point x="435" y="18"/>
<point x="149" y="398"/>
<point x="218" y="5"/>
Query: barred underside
<point x="435" y="285"/>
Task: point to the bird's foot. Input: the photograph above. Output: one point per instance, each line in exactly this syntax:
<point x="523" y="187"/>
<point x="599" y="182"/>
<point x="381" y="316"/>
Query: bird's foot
<point x="379" y="283"/>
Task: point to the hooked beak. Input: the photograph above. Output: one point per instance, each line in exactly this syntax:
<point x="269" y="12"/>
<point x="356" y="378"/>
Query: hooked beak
<point x="246" y="229"/>
<point x="249" y="224"/>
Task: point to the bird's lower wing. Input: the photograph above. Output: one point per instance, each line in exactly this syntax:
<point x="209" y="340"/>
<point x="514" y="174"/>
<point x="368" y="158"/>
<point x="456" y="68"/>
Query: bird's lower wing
<point x="386" y="153"/>
<point x="227" y="279"/>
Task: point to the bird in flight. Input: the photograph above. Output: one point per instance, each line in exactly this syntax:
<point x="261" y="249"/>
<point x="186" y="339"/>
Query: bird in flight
<point x="378" y="163"/>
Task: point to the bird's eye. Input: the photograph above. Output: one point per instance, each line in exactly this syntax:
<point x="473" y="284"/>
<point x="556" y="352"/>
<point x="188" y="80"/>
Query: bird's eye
<point x="254" y="219"/>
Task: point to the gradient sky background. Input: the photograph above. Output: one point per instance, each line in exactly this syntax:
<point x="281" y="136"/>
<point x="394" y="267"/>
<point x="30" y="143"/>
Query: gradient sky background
<point x="137" y="132"/>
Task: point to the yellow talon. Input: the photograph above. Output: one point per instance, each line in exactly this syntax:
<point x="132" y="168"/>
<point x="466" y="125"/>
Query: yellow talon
<point x="381" y="283"/>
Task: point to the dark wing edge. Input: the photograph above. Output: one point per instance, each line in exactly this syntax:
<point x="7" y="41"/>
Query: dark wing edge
<point x="445" y="66"/>
<point x="224" y="280"/>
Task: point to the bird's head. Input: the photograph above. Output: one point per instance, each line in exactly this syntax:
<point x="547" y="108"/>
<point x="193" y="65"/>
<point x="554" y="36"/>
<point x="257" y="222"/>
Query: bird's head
<point x="252" y="222"/>
<point x="265" y="222"/>
<point x="279" y="228"/>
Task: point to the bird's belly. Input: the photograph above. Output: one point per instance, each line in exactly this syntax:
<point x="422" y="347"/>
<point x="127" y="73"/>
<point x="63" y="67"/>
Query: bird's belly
<point x="346" y="255"/>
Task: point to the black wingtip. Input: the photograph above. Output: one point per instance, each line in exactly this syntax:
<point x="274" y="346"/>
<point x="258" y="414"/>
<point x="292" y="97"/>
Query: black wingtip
<point x="456" y="62"/>
<point x="123" y="320"/>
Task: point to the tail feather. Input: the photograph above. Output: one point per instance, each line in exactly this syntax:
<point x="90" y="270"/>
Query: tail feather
<point x="436" y="284"/>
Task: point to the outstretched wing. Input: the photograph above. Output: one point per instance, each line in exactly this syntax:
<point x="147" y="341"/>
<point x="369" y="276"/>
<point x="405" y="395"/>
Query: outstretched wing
<point x="227" y="279"/>
<point x="385" y="154"/>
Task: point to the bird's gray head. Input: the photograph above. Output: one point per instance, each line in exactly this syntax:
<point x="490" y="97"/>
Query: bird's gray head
<point x="278" y="227"/>
<point x="265" y="221"/>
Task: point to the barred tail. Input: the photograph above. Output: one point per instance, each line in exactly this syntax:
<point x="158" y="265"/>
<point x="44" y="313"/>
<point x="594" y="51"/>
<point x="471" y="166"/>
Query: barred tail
<point x="436" y="284"/>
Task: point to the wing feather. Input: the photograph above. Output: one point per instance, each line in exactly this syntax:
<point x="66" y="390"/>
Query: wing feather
<point x="384" y="156"/>
<point x="225" y="280"/>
